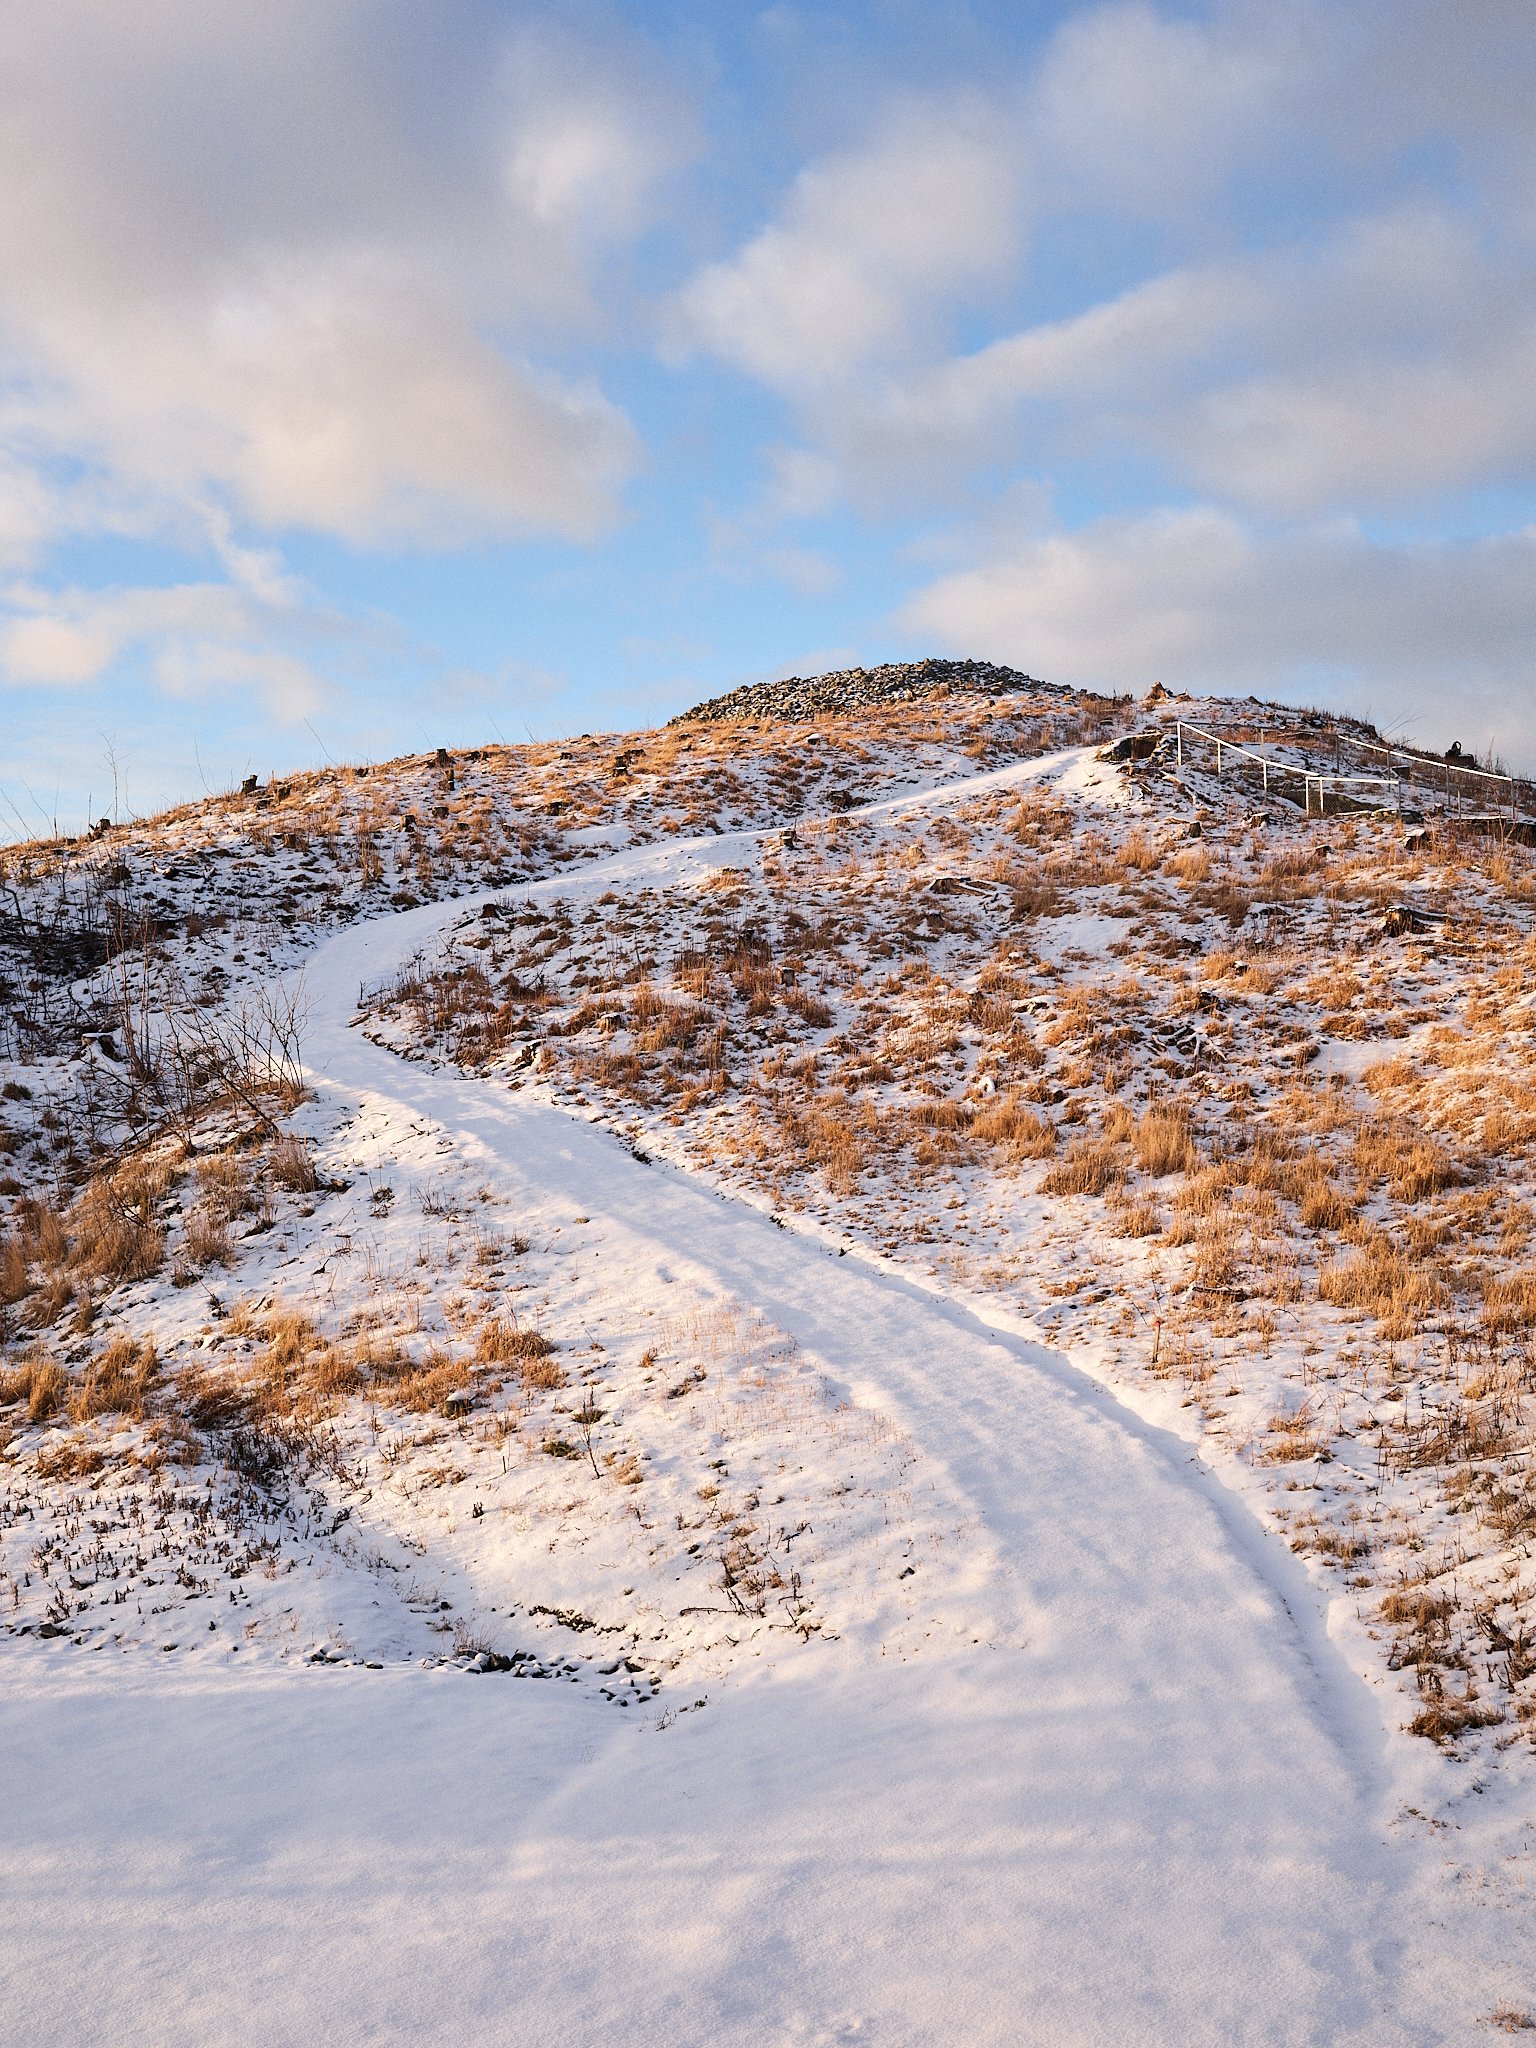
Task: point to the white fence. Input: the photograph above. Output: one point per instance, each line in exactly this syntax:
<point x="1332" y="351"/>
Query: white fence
<point x="1353" y="792"/>
<point x="1453" y="781"/>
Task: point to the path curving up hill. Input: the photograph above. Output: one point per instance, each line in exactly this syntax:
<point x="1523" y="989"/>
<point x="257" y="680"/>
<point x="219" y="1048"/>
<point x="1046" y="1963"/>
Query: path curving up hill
<point x="1139" y="1799"/>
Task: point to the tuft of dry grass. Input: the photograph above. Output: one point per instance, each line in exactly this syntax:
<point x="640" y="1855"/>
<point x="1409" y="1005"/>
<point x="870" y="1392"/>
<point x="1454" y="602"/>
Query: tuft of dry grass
<point x="1384" y="1283"/>
<point x="118" y="1381"/>
<point x="433" y="1384"/>
<point x="1323" y="1207"/>
<point x="1090" y="1167"/>
<point x="291" y="1166"/>
<point x="13" y="1271"/>
<point x="1138" y="1219"/>
<point x="529" y="1353"/>
<point x="1163" y="1143"/>
<point x="1015" y="1128"/>
<point x="1445" y="1716"/>
<point x="207" y="1241"/>
<point x="39" y="1381"/>
<point x="1509" y="1303"/>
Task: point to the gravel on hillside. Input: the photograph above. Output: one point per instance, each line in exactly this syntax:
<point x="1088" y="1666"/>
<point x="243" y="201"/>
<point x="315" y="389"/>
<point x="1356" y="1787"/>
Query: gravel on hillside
<point x="852" y="689"/>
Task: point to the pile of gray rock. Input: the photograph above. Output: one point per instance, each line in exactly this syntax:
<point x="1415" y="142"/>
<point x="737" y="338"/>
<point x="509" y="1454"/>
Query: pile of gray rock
<point x="852" y="689"/>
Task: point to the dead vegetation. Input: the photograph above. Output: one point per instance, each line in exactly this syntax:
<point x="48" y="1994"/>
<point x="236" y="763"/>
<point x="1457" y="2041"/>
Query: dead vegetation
<point x="1287" y="1144"/>
<point x="1302" y="1136"/>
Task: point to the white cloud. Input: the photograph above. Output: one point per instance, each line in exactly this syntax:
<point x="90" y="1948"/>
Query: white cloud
<point x="200" y="639"/>
<point x="1370" y="432"/>
<point x="284" y="684"/>
<point x="1387" y="360"/>
<point x="1145" y="113"/>
<point x="303" y="257"/>
<point x="867" y="244"/>
<point x="61" y="639"/>
<point x="1197" y="600"/>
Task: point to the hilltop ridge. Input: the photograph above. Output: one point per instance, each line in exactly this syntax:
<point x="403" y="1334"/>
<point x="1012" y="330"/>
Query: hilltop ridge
<point x="859" y="689"/>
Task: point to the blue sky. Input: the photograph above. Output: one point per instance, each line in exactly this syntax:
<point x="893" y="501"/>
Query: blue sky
<point x="375" y="376"/>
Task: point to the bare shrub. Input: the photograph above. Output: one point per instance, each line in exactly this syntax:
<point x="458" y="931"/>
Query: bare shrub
<point x="181" y="1058"/>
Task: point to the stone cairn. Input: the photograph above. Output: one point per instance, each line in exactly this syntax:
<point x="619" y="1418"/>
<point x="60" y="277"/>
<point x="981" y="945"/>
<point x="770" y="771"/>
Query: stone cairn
<point x="854" y="689"/>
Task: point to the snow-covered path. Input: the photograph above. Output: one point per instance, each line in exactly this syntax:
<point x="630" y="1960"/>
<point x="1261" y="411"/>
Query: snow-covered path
<point x="1128" y="1794"/>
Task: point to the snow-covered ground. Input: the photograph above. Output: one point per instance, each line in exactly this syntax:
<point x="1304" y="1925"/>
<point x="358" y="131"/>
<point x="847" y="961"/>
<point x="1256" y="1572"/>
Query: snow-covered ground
<point x="944" y="1692"/>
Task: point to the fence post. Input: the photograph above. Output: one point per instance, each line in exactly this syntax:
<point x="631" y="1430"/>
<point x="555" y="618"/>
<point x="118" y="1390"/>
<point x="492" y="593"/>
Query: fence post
<point x="1266" y="774"/>
<point x="1178" y="739"/>
<point x="1218" y="757"/>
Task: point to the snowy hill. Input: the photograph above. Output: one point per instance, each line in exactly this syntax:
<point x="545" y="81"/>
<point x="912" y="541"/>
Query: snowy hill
<point x="863" y="1364"/>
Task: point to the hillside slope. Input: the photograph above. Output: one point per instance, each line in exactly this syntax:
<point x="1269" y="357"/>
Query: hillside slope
<point x="954" y="1289"/>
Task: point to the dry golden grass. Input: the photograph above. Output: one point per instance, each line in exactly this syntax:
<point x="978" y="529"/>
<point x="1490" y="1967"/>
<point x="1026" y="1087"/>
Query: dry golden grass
<point x="1014" y="1128"/>
<point x="118" y="1381"/>
<point x="39" y="1381"/>
<point x="1446" y="1716"/>
<point x="528" y="1353"/>
<point x="13" y="1271"/>
<point x="1163" y="1143"/>
<point x="1090" y="1167"/>
<point x="1323" y="1207"/>
<point x="1292" y="1435"/>
<point x="430" y="1385"/>
<point x="1509" y="1302"/>
<point x="224" y="1183"/>
<point x="1381" y="1281"/>
<point x="1191" y="864"/>
<point x="1411" y="1166"/>
<point x="206" y="1241"/>
<point x="1214" y="1266"/>
<point x="1140" y="1218"/>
